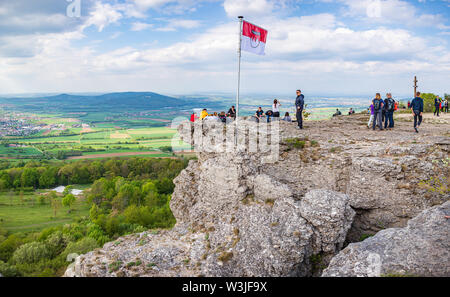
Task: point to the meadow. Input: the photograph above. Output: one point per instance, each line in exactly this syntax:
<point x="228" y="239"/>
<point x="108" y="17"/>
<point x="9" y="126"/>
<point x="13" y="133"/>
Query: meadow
<point x="24" y="212"/>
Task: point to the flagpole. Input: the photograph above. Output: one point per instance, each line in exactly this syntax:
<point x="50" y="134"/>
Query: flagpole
<point x="241" y="18"/>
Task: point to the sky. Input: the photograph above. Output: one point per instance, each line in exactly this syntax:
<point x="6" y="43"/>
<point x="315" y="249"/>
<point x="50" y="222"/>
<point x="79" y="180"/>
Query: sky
<point x="182" y="47"/>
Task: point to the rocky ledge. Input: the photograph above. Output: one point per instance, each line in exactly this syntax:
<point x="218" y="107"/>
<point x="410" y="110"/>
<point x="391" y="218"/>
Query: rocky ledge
<point x="289" y="210"/>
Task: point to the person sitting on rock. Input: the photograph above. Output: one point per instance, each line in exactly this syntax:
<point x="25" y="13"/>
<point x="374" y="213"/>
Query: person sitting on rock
<point x="287" y="117"/>
<point x="223" y="117"/>
<point x="232" y="112"/>
<point x="338" y="112"/>
<point x="269" y="114"/>
<point x="259" y="114"/>
<point x="203" y="114"/>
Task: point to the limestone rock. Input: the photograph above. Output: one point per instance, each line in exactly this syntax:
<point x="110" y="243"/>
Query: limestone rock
<point x="286" y="210"/>
<point x="422" y="248"/>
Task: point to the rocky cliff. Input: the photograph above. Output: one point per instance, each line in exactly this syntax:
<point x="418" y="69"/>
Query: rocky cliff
<point x="286" y="210"/>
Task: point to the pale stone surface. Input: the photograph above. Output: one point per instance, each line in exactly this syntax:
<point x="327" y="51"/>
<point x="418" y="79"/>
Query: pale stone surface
<point x="238" y="215"/>
<point x="422" y="248"/>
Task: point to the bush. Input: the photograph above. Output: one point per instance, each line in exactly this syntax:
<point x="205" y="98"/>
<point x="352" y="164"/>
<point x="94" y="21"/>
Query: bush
<point x="8" y="270"/>
<point x="8" y="247"/>
<point x="83" y="246"/>
<point x="56" y="243"/>
<point x="31" y="253"/>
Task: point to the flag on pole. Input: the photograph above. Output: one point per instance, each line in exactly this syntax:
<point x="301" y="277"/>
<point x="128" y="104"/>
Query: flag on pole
<point x="253" y="38"/>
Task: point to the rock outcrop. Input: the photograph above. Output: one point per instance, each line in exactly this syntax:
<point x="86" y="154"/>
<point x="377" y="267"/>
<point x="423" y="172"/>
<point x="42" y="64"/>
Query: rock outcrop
<point x="422" y="248"/>
<point x="288" y="209"/>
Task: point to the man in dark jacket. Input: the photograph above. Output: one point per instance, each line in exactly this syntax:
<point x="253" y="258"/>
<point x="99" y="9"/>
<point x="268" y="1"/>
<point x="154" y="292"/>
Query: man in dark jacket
<point x="417" y="109"/>
<point x="437" y="103"/>
<point x="299" y="104"/>
<point x="389" y="105"/>
<point x="232" y="112"/>
<point x="378" y="106"/>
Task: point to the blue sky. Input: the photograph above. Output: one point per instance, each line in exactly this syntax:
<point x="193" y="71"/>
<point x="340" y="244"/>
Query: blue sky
<point x="324" y="47"/>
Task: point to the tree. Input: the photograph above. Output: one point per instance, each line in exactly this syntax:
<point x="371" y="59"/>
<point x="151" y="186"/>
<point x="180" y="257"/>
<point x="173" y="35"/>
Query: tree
<point x="48" y="178"/>
<point x="69" y="200"/>
<point x="67" y="190"/>
<point x="428" y="101"/>
<point x="30" y="178"/>
<point x="55" y="202"/>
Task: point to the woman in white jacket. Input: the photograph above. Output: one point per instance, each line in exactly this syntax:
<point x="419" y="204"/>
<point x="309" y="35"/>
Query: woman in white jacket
<point x="275" y="108"/>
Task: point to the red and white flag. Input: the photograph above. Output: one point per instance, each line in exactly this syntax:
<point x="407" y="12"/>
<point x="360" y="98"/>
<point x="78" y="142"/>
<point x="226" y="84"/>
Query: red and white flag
<point x="253" y="38"/>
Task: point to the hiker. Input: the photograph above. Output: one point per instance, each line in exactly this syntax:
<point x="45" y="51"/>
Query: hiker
<point x="437" y="102"/>
<point x="409" y="104"/>
<point x="417" y="109"/>
<point x="338" y="112"/>
<point x="275" y="108"/>
<point x="232" y="112"/>
<point x="287" y="117"/>
<point x="372" y="112"/>
<point x="299" y="105"/>
<point x="446" y="106"/>
<point x="269" y="114"/>
<point x="390" y="106"/>
<point x="223" y="117"/>
<point x="203" y="114"/>
<point x="378" y="109"/>
<point x="193" y="117"/>
<point x="258" y="114"/>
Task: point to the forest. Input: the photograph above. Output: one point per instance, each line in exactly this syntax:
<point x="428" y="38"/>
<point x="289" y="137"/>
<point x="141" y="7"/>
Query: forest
<point x="126" y="196"/>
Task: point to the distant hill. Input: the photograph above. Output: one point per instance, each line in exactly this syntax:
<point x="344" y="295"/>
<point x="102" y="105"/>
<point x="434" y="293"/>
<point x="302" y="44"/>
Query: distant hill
<point x="128" y="100"/>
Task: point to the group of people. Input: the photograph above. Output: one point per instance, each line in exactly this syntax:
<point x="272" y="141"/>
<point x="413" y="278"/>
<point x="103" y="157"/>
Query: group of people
<point x="259" y="114"/>
<point x="274" y="113"/>
<point x="382" y="112"/>
<point x="440" y="105"/>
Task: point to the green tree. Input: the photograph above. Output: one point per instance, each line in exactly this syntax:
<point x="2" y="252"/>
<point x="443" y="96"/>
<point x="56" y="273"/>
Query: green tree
<point x="48" y="178"/>
<point x="55" y="203"/>
<point x="67" y="190"/>
<point x="30" y="178"/>
<point x="428" y="101"/>
<point x="69" y="200"/>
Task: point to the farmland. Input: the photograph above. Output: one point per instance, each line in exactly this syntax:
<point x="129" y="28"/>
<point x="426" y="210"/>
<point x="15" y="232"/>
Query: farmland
<point x="68" y="140"/>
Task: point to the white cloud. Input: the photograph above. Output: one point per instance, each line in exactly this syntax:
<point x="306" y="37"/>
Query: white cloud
<point x="103" y="15"/>
<point x="174" y="24"/>
<point x="390" y="12"/>
<point x="139" y="26"/>
<point x="236" y="8"/>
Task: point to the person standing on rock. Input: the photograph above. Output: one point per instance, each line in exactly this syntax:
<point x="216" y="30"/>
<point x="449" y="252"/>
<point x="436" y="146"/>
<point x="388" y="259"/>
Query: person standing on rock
<point x="437" y="103"/>
<point x="276" y="108"/>
<point x="299" y="104"/>
<point x="372" y="112"/>
<point x="417" y="109"/>
<point x="378" y="107"/>
<point x="390" y="106"/>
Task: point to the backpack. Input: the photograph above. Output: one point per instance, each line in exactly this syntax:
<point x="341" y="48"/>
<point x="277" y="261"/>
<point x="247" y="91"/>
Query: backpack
<point x="390" y="104"/>
<point x="376" y="104"/>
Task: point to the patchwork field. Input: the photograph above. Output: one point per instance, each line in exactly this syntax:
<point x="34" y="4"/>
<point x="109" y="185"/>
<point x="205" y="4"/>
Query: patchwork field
<point x="65" y="137"/>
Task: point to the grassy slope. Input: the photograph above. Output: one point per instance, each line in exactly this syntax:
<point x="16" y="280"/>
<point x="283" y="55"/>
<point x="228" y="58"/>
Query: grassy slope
<point x="29" y="215"/>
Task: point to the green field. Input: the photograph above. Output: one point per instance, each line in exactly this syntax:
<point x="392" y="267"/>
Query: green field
<point x="98" y="139"/>
<point x="23" y="214"/>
